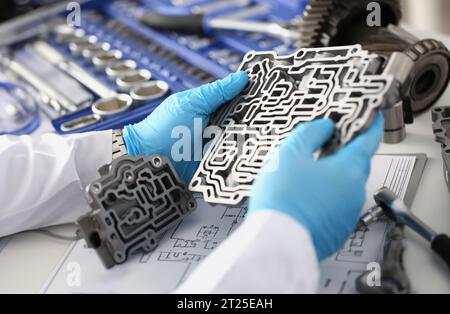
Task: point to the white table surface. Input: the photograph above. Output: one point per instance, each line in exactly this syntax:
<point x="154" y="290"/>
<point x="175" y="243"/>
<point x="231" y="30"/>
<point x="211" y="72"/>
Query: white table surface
<point x="28" y="259"/>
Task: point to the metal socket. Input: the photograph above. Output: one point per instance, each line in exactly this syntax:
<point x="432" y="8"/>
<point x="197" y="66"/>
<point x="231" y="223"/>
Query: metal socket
<point x="104" y="59"/>
<point x="77" y="45"/>
<point x="80" y="123"/>
<point x="149" y="91"/>
<point x="128" y="81"/>
<point x="95" y="49"/>
<point x="119" y="68"/>
<point x="112" y="105"/>
<point x="65" y="33"/>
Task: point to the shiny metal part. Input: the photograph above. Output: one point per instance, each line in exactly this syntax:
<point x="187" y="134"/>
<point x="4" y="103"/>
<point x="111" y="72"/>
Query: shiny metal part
<point x="273" y="29"/>
<point x="71" y="68"/>
<point x="128" y="81"/>
<point x="90" y="52"/>
<point x="395" y="209"/>
<point x="80" y="123"/>
<point x="112" y="105"/>
<point x="394" y="124"/>
<point x="65" y="33"/>
<point x="218" y="5"/>
<point x="119" y="68"/>
<point x="149" y="91"/>
<point x="52" y="97"/>
<point x="77" y="45"/>
<point x="102" y="60"/>
<point x="341" y="83"/>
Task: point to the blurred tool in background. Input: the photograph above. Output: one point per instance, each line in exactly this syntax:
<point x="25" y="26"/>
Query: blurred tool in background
<point x="421" y="66"/>
<point x="12" y="8"/>
<point x="427" y="16"/>
<point x="227" y="29"/>
<point x="18" y="110"/>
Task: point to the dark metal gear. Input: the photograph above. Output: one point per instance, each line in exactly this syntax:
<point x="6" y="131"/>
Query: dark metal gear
<point x="326" y="22"/>
<point x="344" y="22"/>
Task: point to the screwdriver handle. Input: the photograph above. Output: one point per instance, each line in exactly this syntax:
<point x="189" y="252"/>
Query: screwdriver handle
<point x="192" y="23"/>
<point x="441" y="245"/>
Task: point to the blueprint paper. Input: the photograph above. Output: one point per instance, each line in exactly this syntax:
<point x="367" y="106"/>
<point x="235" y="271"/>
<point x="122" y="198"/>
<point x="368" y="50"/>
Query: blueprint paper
<point x="183" y="248"/>
<point x="339" y="272"/>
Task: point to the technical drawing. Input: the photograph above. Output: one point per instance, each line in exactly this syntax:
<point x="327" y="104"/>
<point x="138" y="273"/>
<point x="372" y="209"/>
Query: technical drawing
<point x="366" y="244"/>
<point x="185" y="246"/>
<point x="180" y="243"/>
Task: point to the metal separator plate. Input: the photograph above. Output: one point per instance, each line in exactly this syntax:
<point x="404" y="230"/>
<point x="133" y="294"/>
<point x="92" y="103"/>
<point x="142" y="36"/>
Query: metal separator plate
<point x="345" y="84"/>
<point x="133" y="203"/>
<point x="441" y="129"/>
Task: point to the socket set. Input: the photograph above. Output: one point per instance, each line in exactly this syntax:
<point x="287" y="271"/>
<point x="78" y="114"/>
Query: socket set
<point x="223" y="52"/>
<point x="441" y="129"/>
<point x="114" y="70"/>
<point x="344" y="84"/>
<point x="134" y="202"/>
<point x="138" y="73"/>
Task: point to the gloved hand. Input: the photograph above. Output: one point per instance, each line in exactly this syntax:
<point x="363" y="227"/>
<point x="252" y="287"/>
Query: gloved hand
<point x="175" y="118"/>
<point x="326" y="195"/>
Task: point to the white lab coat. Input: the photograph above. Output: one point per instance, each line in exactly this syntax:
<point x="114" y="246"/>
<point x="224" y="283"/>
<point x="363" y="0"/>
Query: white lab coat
<point x="42" y="182"/>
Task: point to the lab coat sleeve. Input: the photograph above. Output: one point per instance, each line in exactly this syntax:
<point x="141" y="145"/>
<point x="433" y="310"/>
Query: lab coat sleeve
<point x="43" y="179"/>
<point x="268" y="253"/>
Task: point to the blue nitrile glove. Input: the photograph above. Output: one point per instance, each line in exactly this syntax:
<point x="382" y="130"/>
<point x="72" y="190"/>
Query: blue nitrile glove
<point x="326" y="195"/>
<point x="177" y="114"/>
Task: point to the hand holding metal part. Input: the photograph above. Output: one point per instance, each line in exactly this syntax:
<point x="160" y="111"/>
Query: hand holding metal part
<point x="343" y="84"/>
<point x="190" y="109"/>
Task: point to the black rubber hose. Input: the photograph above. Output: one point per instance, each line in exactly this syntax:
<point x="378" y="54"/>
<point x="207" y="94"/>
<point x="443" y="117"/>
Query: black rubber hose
<point x="441" y="245"/>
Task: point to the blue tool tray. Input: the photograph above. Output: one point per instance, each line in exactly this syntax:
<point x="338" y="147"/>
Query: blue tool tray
<point x="215" y="56"/>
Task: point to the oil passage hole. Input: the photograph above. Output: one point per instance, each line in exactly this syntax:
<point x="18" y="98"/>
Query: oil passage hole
<point x="95" y="241"/>
<point x="425" y="82"/>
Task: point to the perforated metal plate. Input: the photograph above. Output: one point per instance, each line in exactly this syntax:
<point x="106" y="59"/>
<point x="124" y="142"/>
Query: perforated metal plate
<point x="441" y="129"/>
<point x="133" y="203"/>
<point x="345" y="84"/>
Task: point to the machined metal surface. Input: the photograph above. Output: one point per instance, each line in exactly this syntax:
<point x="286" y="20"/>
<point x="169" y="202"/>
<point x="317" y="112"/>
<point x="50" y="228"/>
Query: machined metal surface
<point x="77" y="45"/>
<point x="119" y="68"/>
<point x="89" y="52"/>
<point x="79" y="123"/>
<point x="71" y="68"/>
<point x="102" y="60"/>
<point x="129" y="80"/>
<point x="149" y="91"/>
<point x="394" y="125"/>
<point x="134" y="202"/>
<point x="341" y="83"/>
<point x="441" y="129"/>
<point x="112" y="105"/>
<point x="394" y="208"/>
<point x="65" y="33"/>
